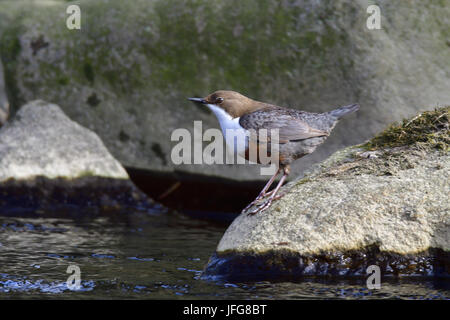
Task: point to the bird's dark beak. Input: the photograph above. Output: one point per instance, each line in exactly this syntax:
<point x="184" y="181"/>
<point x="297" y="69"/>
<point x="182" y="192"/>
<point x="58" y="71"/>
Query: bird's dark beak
<point x="198" y="100"/>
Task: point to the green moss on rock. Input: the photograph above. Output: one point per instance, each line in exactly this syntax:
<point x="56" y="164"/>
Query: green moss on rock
<point x="428" y="129"/>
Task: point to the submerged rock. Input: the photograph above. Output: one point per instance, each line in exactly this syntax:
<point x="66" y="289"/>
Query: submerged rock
<point x="48" y="162"/>
<point x="385" y="203"/>
<point x="127" y="73"/>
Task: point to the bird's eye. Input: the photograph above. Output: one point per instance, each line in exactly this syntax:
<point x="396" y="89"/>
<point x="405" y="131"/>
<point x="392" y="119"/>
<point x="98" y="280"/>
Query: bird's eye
<point x="219" y="100"/>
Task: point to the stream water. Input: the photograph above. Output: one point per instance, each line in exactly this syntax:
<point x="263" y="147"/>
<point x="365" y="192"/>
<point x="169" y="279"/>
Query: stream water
<point x="151" y="256"/>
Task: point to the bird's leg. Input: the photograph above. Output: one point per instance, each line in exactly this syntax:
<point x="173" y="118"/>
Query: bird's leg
<point x="270" y="193"/>
<point x="263" y="191"/>
<point x="273" y="196"/>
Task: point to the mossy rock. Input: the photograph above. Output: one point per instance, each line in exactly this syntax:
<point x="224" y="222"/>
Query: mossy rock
<point x="387" y="206"/>
<point x="429" y="129"/>
<point x="127" y="73"/>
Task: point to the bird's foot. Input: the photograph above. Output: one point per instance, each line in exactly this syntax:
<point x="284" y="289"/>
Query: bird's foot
<point x="258" y="198"/>
<point x="273" y="194"/>
<point x="265" y="205"/>
<point x="251" y="204"/>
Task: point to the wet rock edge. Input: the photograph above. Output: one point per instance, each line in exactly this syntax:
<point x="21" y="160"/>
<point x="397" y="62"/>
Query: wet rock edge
<point x="42" y="196"/>
<point x="288" y="265"/>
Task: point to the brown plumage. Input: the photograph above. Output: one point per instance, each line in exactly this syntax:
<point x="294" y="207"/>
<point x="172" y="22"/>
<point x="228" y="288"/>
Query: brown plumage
<point x="300" y="132"/>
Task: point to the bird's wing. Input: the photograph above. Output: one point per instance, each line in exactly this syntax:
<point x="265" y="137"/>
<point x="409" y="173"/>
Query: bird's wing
<point x="288" y="122"/>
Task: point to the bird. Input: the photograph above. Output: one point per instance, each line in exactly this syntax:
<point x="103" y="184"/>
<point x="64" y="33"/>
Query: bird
<point x="299" y="132"/>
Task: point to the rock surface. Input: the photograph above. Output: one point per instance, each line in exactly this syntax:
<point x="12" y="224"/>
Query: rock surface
<point x="388" y="206"/>
<point x="47" y="160"/>
<point x="127" y="73"/>
<point x="4" y="105"/>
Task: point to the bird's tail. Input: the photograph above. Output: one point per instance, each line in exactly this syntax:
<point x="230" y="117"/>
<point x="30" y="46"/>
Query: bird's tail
<point x="342" y="111"/>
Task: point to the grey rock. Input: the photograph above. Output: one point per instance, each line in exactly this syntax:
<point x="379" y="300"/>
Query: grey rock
<point x="4" y="104"/>
<point x="127" y="73"/>
<point x="407" y="212"/>
<point x="48" y="161"/>
<point x="349" y="212"/>
<point x="42" y="141"/>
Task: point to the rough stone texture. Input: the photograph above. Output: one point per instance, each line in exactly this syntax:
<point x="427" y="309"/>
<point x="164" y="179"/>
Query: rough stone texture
<point x="50" y="163"/>
<point x="387" y="206"/>
<point x="127" y="73"/>
<point x="4" y="105"/>
<point x="338" y="208"/>
<point x="42" y="141"/>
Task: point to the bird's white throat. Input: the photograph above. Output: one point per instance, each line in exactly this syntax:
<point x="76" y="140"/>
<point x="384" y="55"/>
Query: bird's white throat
<point x="235" y="135"/>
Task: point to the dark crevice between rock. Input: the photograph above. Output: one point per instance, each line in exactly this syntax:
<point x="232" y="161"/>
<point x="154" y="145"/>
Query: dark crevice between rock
<point x="93" y="100"/>
<point x="88" y="71"/>
<point x="123" y="137"/>
<point x="290" y="266"/>
<point x="157" y="149"/>
<point x="199" y="196"/>
<point x="60" y="197"/>
<point x="38" y="44"/>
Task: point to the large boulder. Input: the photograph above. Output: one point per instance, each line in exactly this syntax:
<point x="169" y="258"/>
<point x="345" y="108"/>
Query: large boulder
<point x="127" y="73"/>
<point x="383" y="203"/>
<point x="48" y="162"/>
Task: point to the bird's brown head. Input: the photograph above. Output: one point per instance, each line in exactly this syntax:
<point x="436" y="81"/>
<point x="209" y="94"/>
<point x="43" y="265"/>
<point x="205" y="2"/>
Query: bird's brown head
<point x="234" y="103"/>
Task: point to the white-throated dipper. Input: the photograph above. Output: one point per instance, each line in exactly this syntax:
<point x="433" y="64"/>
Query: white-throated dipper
<point x="300" y="132"/>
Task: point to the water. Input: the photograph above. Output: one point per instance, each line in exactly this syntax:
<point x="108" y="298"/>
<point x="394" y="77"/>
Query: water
<point x="141" y="256"/>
